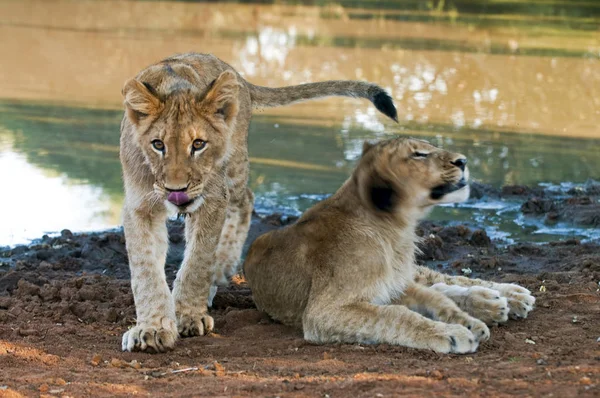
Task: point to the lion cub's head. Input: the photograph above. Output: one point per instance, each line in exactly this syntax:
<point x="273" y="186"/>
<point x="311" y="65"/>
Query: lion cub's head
<point x="183" y="132"/>
<point x="404" y="173"/>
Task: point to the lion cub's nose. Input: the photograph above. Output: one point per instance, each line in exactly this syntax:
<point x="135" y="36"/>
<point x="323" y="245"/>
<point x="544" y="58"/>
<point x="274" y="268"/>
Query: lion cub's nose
<point x="178" y="196"/>
<point x="460" y="163"/>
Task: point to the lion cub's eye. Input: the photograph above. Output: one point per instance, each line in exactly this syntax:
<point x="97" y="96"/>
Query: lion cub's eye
<point x="198" y="145"/>
<point x="420" y="154"/>
<point x="158" y="145"/>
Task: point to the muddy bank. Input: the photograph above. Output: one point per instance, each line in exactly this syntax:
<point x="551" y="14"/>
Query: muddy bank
<point x="578" y="205"/>
<point x="65" y="302"/>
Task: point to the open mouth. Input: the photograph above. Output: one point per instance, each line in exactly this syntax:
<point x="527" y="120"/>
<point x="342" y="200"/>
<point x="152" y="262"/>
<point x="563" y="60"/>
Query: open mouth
<point x="444" y="189"/>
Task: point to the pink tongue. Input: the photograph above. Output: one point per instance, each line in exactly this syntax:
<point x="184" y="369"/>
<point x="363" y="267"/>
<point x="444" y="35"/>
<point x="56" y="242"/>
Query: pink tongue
<point x="178" y="198"/>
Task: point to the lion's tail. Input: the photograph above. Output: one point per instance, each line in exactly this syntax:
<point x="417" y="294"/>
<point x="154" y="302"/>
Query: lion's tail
<point x="270" y="97"/>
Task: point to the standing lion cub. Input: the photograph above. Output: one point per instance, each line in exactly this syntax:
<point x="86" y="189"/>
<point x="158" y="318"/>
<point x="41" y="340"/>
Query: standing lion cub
<point x="184" y="150"/>
<point x="345" y="271"/>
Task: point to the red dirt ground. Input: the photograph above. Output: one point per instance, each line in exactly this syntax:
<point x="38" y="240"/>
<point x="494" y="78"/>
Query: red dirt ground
<point x="66" y="301"/>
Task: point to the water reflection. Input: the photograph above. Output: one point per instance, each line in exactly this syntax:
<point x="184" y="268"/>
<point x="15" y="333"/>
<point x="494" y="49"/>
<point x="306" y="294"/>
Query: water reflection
<point x="62" y="163"/>
<point x="41" y="201"/>
<point x="513" y="85"/>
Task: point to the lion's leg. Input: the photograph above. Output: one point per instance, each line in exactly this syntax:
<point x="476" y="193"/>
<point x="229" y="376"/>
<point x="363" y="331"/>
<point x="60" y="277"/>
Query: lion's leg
<point x="482" y="299"/>
<point x="436" y="305"/>
<point x="194" y="279"/>
<point x="233" y="236"/>
<point x="147" y="243"/>
<point x="362" y="322"/>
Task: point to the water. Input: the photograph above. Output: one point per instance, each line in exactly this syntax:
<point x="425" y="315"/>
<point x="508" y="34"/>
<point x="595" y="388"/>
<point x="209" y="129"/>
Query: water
<point x="514" y="87"/>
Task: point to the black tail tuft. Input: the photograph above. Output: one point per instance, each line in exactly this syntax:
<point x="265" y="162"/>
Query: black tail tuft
<point x="383" y="102"/>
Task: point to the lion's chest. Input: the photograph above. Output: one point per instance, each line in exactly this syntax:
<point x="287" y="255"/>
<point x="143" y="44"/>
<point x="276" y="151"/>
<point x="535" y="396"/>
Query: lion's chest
<point x="397" y="272"/>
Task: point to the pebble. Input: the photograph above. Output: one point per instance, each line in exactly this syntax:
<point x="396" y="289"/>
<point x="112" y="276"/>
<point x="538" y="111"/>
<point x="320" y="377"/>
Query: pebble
<point x="96" y="360"/>
<point x="219" y="369"/>
<point x="135" y="364"/>
<point x="585" y="380"/>
<point x="118" y="363"/>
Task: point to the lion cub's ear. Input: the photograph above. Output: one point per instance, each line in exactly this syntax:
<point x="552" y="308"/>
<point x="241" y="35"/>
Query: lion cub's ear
<point x="222" y="99"/>
<point x="141" y="100"/>
<point x="378" y="192"/>
<point x="367" y="145"/>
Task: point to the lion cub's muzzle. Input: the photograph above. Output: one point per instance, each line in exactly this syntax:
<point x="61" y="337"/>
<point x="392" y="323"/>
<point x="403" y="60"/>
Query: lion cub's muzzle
<point x="182" y="199"/>
<point x="178" y="196"/>
<point x="446" y="188"/>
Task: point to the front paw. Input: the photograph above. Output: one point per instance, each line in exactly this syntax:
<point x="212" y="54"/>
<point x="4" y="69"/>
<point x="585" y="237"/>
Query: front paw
<point x="452" y="338"/>
<point x="190" y="324"/>
<point x="487" y="305"/>
<point x="159" y="337"/>
<point x="479" y="329"/>
<point x="520" y="300"/>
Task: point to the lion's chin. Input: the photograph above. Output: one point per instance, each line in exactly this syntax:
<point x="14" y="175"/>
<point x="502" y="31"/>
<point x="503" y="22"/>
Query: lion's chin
<point x="455" y="194"/>
<point x="186" y="208"/>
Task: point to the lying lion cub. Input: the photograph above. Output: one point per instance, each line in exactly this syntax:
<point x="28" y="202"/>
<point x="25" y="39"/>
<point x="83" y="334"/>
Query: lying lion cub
<point x="345" y="272"/>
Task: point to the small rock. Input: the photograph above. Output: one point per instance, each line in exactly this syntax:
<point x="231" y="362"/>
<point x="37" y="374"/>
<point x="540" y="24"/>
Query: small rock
<point x="27" y="332"/>
<point x="436" y="374"/>
<point x="508" y="336"/>
<point x="60" y="382"/>
<point x="19" y="250"/>
<point x="480" y="238"/>
<point x="118" y="363"/>
<point x="43" y="254"/>
<point x="111" y="315"/>
<point x="65" y="233"/>
<point x="219" y="369"/>
<point x="96" y="360"/>
<point x="529" y="341"/>
<point x="585" y="381"/>
<point x="135" y="364"/>
<point x="45" y="266"/>
<point x="43" y="388"/>
<point x="541" y="361"/>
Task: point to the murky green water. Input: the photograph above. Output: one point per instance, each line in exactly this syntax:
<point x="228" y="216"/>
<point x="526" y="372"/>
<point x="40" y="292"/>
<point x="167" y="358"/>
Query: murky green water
<point x="72" y="154"/>
<point x="515" y="87"/>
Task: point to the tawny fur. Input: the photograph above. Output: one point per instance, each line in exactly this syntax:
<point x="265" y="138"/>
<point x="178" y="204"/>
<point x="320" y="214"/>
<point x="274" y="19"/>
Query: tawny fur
<point x="178" y="101"/>
<point x="345" y="271"/>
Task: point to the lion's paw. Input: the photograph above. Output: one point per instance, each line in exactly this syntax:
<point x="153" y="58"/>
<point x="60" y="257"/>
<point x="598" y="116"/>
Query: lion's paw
<point x="151" y="338"/>
<point x="520" y="300"/>
<point x="453" y="338"/>
<point x="479" y="329"/>
<point x="487" y="305"/>
<point x="194" y="325"/>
